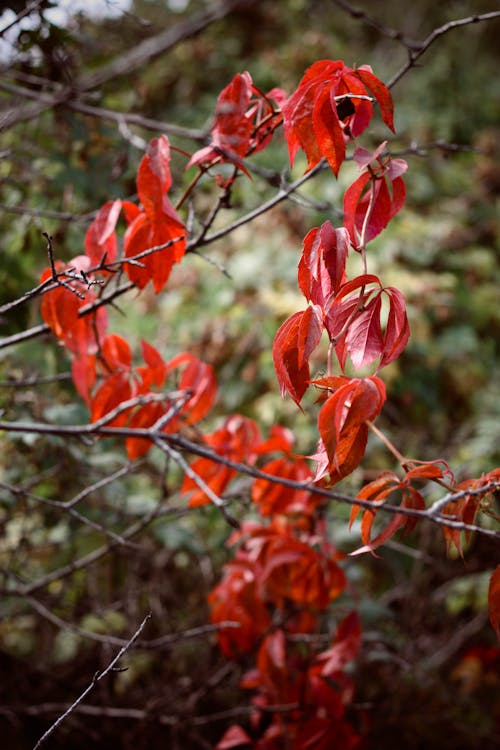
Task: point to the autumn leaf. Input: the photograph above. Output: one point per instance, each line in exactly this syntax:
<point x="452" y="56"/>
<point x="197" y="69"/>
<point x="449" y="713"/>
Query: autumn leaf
<point x="100" y="238"/>
<point x="233" y="737"/>
<point x="342" y="420"/>
<point x="353" y="321"/>
<point x="494" y="600"/>
<point x="321" y="270"/>
<point x="61" y="307"/>
<point x="377" y="195"/>
<point x="157" y="228"/>
<point x="273" y="497"/>
<point x="293" y="344"/>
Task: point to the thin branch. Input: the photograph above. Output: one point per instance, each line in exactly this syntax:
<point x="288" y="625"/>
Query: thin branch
<point x="387" y="31"/>
<point x="179" y="441"/>
<point x="416" y="53"/>
<point x="280" y="196"/>
<point x="97" y="678"/>
<point x="127" y="63"/>
<point x="155" y="644"/>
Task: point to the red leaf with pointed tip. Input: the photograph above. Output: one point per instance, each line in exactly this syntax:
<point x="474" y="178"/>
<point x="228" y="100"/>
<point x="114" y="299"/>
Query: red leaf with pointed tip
<point x="293" y="344"/>
<point x="327" y="130"/>
<point x="145" y="233"/>
<point x="342" y="422"/>
<point x="321" y="269"/>
<point x="364" y="335"/>
<point x="100" y="238"/>
<point x="299" y="108"/>
<point x="232" y="130"/>
<point x="153" y="176"/>
<point x="156" y="368"/>
<point x="397" y="331"/>
<point x="116" y="353"/>
<point x="372" y="200"/>
<point x="197" y="378"/>
<point x="233" y="737"/>
<point x="380" y="92"/>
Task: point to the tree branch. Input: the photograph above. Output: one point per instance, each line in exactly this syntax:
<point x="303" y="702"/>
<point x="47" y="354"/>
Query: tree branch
<point x="97" y="678"/>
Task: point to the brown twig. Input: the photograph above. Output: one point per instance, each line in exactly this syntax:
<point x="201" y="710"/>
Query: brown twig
<point x="97" y="678"/>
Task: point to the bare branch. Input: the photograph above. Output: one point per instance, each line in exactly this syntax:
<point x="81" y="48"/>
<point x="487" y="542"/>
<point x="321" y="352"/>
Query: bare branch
<point x="179" y="441"/>
<point x="417" y="52"/>
<point x="97" y="678"/>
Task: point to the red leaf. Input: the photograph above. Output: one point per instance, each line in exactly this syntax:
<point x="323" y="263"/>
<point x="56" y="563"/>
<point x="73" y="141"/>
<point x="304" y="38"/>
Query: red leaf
<point x="60" y="308"/>
<point x="143" y="418"/>
<point x="232" y="130"/>
<point x="144" y="234"/>
<point x="235" y="440"/>
<point x="235" y="599"/>
<point x="273" y="498"/>
<point x="116" y="353"/>
<point x="156" y="368"/>
<point x="494" y="600"/>
<point x="354" y="323"/>
<point x="100" y="238"/>
<point x="309" y="332"/>
<point x="321" y="269"/>
<point x="235" y="736"/>
<point x="327" y="130"/>
<point x="153" y="176"/>
<point x="364" y="335"/>
<point x="293" y="344"/>
<point x="280" y="439"/>
<point x="397" y="330"/>
<point x="342" y="422"/>
<point x="380" y="92"/>
<point x="110" y="394"/>
<point x="372" y="200"/>
<point x="199" y="379"/>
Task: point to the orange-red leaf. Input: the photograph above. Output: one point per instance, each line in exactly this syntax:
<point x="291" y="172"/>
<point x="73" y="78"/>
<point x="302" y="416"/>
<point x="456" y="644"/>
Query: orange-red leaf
<point x="342" y="422"/>
<point x="100" y="238"/>
<point x="293" y="344"/>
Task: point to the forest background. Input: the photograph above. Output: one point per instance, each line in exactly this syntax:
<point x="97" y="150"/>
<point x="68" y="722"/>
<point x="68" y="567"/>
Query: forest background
<point x="428" y="672"/>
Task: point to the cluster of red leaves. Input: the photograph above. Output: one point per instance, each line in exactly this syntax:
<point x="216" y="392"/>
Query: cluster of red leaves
<point x="332" y="104"/>
<point x="386" y="485"/>
<point x="466" y="507"/>
<point x="286" y="573"/>
<point x="351" y="313"/>
<point x="244" y="122"/>
<point x="372" y="200"/>
<point x="124" y="395"/>
<point x="302" y="697"/>
<point x="155" y="236"/>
